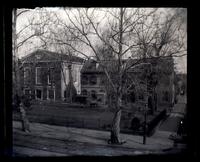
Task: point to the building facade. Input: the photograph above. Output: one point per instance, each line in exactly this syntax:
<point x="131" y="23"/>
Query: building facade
<point x="45" y="74"/>
<point x="94" y="85"/>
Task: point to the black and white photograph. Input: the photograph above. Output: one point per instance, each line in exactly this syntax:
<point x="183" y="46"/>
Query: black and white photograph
<point x="99" y="81"/>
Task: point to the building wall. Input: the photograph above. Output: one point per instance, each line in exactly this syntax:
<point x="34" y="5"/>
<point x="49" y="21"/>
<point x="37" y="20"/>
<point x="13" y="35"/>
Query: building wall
<point x="98" y="88"/>
<point x="44" y="86"/>
<point x="165" y="85"/>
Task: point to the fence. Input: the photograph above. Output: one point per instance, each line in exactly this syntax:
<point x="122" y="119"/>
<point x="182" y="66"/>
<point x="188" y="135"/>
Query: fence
<point x="153" y="123"/>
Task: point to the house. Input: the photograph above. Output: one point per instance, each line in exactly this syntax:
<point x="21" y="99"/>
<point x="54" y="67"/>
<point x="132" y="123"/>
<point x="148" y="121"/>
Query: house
<point x="94" y="85"/>
<point x="92" y="82"/>
<point x="45" y="75"/>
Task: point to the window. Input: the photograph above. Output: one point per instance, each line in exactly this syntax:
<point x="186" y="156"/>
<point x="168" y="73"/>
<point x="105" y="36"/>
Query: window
<point x="50" y="75"/>
<point x="27" y="92"/>
<point x="27" y="75"/>
<point x="93" y="95"/>
<point x="101" y="98"/>
<point x="51" y="94"/>
<point x="38" y="94"/>
<point x="84" y="92"/>
<point x="93" y="80"/>
<point x="74" y="74"/>
<point x="84" y="80"/>
<point x="38" y="56"/>
<point x="38" y="75"/>
<point x="101" y="91"/>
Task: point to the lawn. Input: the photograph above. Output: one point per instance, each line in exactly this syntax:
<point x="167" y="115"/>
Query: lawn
<point x="78" y="116"/>
<point x="67" y="115"/>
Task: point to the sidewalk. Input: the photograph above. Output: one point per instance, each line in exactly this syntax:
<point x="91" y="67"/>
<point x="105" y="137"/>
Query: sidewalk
<point x="156" y="143"/>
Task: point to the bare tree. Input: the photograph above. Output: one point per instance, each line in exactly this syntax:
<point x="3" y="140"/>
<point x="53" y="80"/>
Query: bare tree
<point x="20" y="38"/>
<point x="58" y="39"/>
<point x="130" y="33"/>
<point x="82" y="26"/>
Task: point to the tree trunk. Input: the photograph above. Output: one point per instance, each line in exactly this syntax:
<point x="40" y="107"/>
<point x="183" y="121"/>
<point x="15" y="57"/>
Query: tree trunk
<point x="17" y="82"/>
<point x="115" y="129"/>
<point x="24" y="119"/>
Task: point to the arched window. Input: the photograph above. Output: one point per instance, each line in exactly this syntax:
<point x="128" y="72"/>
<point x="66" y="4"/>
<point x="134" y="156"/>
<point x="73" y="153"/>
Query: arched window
<point x="93" y="80"/>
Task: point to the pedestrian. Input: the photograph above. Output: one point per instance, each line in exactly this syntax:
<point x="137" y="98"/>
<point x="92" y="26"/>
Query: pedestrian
<point x="25" y="122"/>
<point x="180" y="128"/>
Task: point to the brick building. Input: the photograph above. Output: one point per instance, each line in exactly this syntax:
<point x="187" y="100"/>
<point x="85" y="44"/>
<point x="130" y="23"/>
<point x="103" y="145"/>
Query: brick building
<point x="45" y="74"/>
<point x="93" y="83"/>
<point x="94" y="86"/>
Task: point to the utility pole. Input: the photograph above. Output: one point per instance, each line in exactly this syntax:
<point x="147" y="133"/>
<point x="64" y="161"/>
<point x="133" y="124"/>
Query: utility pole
<point x="145" y="122"/>
<point x="145" y="118"/>
<point x="146" y="106"/>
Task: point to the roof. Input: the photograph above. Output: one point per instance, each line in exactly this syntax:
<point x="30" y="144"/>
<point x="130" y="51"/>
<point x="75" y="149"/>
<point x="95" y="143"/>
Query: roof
<point x="92" y="66"/>
<point x="44" y="55"/>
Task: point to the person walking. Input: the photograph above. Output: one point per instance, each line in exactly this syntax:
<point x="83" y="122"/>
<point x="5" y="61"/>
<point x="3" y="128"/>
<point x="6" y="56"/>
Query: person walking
<point x="25" y="121"/>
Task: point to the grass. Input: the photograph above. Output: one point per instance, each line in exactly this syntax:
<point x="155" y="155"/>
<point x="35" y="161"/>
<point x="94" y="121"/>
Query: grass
<point x="78" y="115"/>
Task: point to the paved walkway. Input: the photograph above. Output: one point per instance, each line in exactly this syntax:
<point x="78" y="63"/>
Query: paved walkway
<point x="170" y="125"/>
<point x="153" y="144"/>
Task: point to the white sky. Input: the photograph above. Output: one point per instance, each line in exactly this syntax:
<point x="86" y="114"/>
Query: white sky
<point x="33" y="44"/>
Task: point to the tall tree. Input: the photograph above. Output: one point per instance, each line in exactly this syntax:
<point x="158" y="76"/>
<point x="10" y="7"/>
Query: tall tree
<point x="58" y="39"/>
<point x="19" y="38"/>
<point x="131" y="33"/>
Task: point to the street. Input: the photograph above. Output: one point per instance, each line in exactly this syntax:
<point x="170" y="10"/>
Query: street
<point x="42" y="146"/>
<point x="49" y="140"/>
<point x="170" y="125"/>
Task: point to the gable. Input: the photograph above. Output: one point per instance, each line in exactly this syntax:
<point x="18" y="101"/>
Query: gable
<point x="48" y="56"/>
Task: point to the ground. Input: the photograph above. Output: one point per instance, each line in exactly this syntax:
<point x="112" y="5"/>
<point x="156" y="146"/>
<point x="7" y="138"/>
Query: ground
<point x="64" y="115"/>
<point x="66" y="141"/>
<point x="81" y="117"/>
<point x="52" y="140"/>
